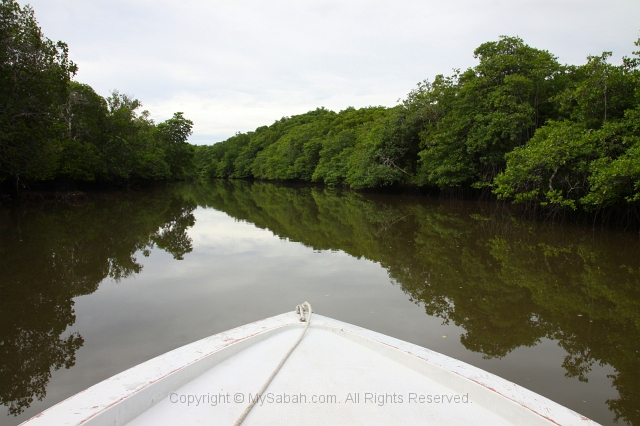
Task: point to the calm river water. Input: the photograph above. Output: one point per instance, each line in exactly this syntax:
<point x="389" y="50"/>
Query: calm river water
<point x="91" y="289"/>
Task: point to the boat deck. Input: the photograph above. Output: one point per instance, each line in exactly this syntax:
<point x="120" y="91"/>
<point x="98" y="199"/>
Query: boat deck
<point x="327" y="380"/>
<point x="339" y="374"/>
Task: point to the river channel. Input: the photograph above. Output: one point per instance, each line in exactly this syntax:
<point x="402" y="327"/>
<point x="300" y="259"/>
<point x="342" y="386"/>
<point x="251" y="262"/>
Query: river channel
<point x="92" y="286"/>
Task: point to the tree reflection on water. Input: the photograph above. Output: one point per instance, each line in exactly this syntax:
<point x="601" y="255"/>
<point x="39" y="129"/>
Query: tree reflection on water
<point x="51" y="254"/>
<point x="507" y="283"/>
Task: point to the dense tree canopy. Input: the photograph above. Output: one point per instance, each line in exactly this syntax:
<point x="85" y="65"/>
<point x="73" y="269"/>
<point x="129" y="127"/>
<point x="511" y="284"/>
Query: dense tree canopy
<point x="519" y="124"/>
<point x="589" y="155"/>
<point x="34" y="83"/>
<point x="54" y="127"/>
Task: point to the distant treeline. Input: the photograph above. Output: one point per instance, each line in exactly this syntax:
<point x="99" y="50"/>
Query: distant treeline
<point x="53" y="127"/>
<point x="519" y="125"/>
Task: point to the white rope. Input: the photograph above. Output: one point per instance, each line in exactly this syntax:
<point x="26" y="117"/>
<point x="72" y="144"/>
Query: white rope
<point x="300" y="310"/>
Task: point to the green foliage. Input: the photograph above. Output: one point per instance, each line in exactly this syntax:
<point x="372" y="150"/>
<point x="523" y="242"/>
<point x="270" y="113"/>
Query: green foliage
<point x="616" y="179"/>
<point x="173" y="135"/>
<point x="370" y="165"/>
<point x="347" y="130"/>
<point x="133" y="147"/>
<point x="315" y="146"/>
<point x="51" y="126"/>
<point x="34" y="81"/>
<point x="255" y="143"/>
<point x="590" y="159"/>
<point x="284" y="159"/>
<point x="294" y="155"/>
<point x="598" y="91"/>
<point x="551" y="168"/>
<point x="486" y="111"/>
<point x="84" y="115"/>
<point x="229" y="154"/>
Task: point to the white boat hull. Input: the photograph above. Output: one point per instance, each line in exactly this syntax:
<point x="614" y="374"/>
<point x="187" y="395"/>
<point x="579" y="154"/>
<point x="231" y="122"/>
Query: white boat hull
<point x="339" y="374"/>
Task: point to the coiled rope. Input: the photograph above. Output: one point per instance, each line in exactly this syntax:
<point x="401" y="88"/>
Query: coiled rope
<point x="300" y="309"/>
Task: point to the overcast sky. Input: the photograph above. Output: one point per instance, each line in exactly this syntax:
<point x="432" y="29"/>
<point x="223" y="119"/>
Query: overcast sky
<point x="235" y="65"/>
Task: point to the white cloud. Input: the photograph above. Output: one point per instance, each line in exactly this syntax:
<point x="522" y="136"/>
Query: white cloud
<point x="233" y="66"/>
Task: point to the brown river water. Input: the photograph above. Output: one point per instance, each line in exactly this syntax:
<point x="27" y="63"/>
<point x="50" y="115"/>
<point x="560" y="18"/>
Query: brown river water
<point x="91" y="287"/>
